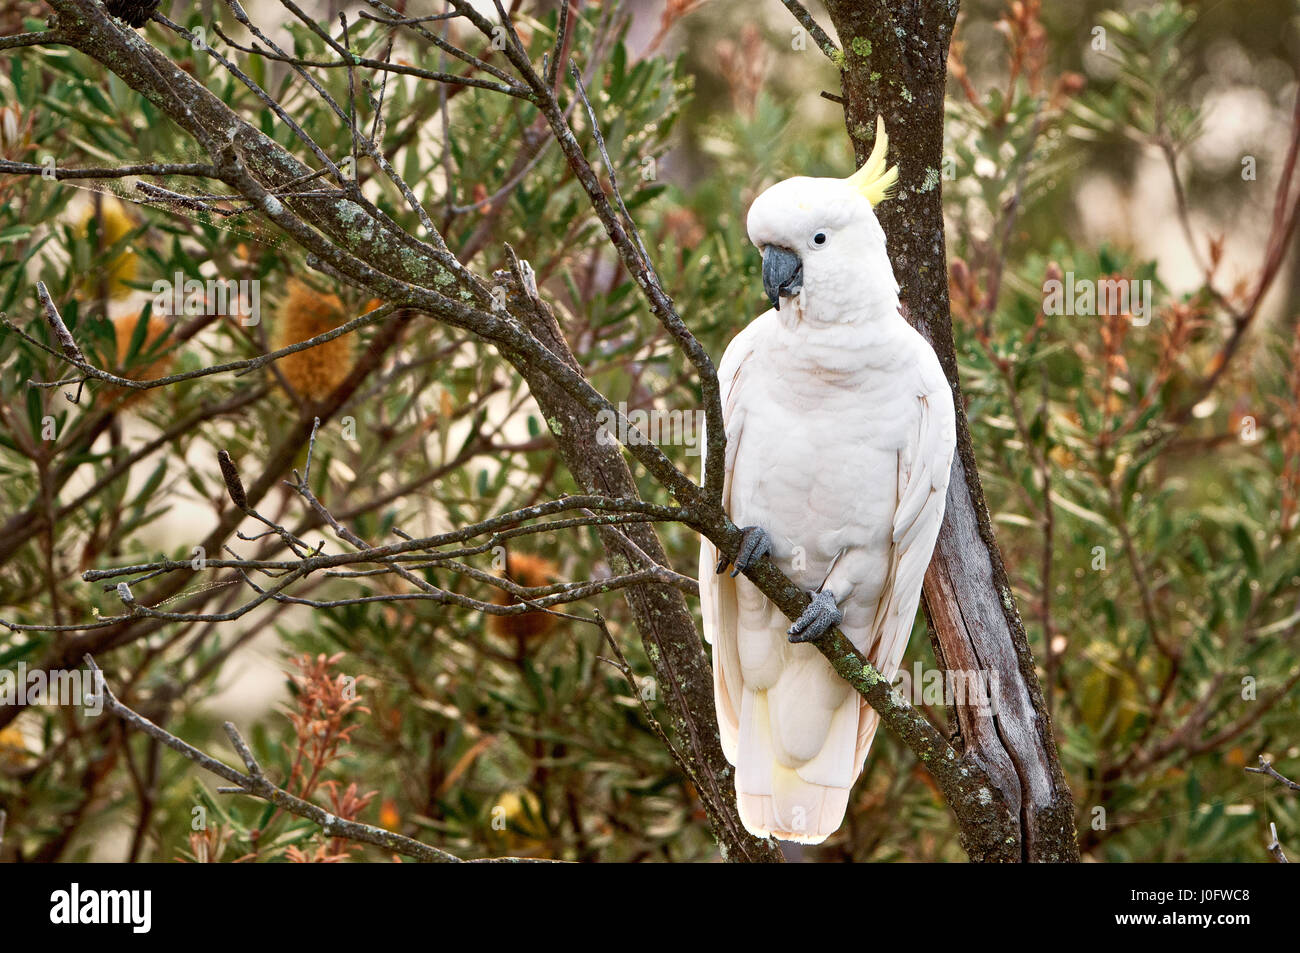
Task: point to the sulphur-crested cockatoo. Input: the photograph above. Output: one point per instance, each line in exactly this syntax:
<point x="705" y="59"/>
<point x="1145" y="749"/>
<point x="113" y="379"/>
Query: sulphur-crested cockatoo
<point x="840" y="435"/>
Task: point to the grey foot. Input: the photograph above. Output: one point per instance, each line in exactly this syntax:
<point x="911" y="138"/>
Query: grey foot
<point x="754" y="545"/>
<point x="820" y="617"/>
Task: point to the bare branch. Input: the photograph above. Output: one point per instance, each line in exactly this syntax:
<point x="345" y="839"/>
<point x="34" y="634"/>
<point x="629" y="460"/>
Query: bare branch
<point x="1266" y="767"/>
<point x="820" y="37"/>
<point x="199" y="169"/>
<point x="40" y="38"/>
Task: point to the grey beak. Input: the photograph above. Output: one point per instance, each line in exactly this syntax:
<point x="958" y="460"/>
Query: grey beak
<point x="782" y="274"/>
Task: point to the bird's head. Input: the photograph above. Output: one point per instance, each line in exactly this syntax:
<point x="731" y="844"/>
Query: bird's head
<point x="821" y="244"/>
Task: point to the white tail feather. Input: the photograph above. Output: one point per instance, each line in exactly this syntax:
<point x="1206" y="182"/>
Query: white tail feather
<point x="792" y="803"/>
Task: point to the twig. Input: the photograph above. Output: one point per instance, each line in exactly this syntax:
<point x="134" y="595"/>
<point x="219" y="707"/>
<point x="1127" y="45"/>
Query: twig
<point x="1266" y="767"/>
<point x="621" y="663"/>
<point x="1274" y="847"/>
<point x="820" y="37"/>
<point x="452" y="79"/>
<point x="198" y="169"/>
<point x="18" y="40"/>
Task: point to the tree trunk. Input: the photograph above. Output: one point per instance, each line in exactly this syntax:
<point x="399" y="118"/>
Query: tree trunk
<point x="895" y="65"/>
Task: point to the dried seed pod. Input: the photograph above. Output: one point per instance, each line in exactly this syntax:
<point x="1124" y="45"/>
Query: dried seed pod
<point x="234" y="486"/>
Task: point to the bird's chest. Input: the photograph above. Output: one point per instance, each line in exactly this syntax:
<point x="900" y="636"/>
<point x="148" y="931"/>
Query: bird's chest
<point x="817" y="459"/>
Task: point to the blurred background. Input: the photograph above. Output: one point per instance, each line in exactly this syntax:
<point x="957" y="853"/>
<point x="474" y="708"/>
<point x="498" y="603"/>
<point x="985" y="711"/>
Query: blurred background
<point x="1144" y="477"/>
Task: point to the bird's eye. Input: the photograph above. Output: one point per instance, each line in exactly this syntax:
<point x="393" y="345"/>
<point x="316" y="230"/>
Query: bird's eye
<point x="819" y="239"/>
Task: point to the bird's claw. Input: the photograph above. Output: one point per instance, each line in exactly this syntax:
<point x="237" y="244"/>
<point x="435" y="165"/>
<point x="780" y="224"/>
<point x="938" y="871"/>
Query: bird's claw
<point x="820" y="617"/>
<point x="755" y="543"/>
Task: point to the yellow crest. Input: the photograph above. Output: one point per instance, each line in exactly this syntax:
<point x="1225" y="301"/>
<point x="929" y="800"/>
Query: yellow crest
<point x="873" y="180"/>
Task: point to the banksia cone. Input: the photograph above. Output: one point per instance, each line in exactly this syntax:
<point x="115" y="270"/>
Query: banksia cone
<point x="524" y="569"/>
<point x="517" y="819"/>
<point x="115" y="223"/>
<point x="13" y="747"/>
<point x="390" y="819"/>
<point x="305" y="313"/>
<point x="135" y="12"/>
<point x="124" y="327"/>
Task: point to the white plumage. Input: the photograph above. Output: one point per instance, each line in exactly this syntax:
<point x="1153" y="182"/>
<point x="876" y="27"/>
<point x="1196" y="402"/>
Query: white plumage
<point x="840" y="435"/>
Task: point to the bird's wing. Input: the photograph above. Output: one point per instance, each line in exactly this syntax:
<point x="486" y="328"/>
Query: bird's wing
<point x="718" y="592"/>
<point x="924" y="464"/>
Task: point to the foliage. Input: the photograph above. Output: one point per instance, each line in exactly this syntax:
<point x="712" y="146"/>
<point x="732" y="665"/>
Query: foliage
<point x="1160" y="587"/>
<point x="1092" y="433"/>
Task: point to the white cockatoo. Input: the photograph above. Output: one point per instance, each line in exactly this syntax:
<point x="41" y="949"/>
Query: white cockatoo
<point x="840" y="435"/>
